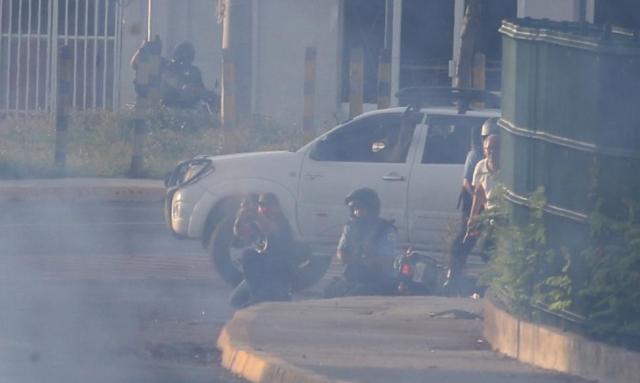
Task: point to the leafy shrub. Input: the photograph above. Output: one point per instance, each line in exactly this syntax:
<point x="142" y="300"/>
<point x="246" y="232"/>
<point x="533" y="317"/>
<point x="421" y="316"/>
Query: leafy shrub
<point x="612" y="289"/>
<point x="100" y="144"/>
<point x="533" y="278"/>
<point x="523" y="269"/>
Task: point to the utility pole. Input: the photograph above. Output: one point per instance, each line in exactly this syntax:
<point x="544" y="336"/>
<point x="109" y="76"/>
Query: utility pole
<point x="237" y="47"/>
<point x="384" y="59"/>
<point x="468" y="32"/>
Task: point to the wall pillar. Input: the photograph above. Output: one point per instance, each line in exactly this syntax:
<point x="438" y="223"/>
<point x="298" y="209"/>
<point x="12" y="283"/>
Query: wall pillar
<point x="558" y="10"/>
<point x="395" y="50"/>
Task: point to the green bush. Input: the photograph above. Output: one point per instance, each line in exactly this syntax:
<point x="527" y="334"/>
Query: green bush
<point x="612" y="289"/>
<point x="100" y="144"/>
<point x="523" y="269"/>
<point x="533" y="279"/>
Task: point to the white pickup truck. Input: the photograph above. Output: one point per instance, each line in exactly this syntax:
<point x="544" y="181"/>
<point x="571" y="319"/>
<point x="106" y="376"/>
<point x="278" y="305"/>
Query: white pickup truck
<point x="412" y="157"/>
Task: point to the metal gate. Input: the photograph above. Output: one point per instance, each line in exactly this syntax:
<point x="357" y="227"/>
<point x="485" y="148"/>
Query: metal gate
<point x="31" y="34"/>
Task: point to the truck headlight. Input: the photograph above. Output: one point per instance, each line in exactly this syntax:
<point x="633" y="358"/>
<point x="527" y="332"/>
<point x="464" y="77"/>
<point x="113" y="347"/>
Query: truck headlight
<point x="189" y="171"/>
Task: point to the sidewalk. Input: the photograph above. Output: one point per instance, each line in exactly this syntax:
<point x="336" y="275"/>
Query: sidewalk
<point x="369" y="339"/>
<point x="82" y="190"/>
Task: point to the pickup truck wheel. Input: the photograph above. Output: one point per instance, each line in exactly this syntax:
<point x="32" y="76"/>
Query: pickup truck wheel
<point x="224" y="253"/>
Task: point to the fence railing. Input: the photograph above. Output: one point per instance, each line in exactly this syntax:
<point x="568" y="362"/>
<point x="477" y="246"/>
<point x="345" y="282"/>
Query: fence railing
<point x="31" y="34"/>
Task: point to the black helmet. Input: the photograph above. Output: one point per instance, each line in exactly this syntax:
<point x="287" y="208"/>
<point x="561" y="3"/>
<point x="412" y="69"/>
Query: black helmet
<point x="185" y="52"/>
<point x="490" y="127"/>
<point x="365" y="196"/>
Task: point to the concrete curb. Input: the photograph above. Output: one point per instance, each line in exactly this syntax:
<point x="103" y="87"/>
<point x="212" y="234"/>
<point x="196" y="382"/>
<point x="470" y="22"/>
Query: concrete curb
<point x="552" y="349"/>
<point x="82" y="190"/>
<point x="257" y="366"/>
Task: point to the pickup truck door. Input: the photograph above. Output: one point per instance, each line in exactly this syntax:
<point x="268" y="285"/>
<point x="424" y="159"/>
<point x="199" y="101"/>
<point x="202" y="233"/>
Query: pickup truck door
<point x="371" y="151"/>
<point x="436" y="181"/>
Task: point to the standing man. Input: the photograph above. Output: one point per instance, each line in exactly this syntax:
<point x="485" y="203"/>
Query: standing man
<point x="484" y="182"/>
<point x="460" y="249"/>
<point x="148" y="65"/>
<point x="268" y="266"/>
<point x="367" y="248"/>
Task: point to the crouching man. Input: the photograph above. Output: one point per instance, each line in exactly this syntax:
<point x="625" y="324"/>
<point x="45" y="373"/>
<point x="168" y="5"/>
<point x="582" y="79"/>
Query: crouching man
<point x="268" y="266"/>
<point x="367" y="249"/>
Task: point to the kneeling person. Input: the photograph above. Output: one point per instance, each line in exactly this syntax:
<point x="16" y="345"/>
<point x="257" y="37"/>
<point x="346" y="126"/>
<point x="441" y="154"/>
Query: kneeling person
<point x="268" y="266"/>
<point x="366" y="248"/>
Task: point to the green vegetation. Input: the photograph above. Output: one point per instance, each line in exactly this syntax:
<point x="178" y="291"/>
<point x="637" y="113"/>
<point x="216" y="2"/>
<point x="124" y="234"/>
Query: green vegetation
<point x="100" y="144"/>
<point x="523" y="269"/>
<point x="597" y="286"/>
<point x="612" y="290"/>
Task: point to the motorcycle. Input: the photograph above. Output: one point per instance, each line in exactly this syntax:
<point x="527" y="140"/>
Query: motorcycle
<point x="417" y="274"/>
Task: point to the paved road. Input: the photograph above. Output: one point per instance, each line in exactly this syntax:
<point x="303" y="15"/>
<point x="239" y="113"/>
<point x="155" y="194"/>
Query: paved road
<point x="103" y="293"/>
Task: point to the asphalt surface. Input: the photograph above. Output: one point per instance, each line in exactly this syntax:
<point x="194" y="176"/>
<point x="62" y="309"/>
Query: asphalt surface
<point x="104" y="293"/>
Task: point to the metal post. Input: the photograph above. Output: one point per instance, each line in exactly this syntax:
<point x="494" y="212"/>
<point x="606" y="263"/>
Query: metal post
<point x="479" y="74"/>
<point x="85" y="55"/>
<point x="138" y="124"/>
<point x="310" y="58"/>
<point x="38" y="44"/>
<point x="148" y="20"/>
<point x="395" y="49"/>
<point x="384" y="79"/>
<point x="479" y="71"/>
<point x="94" y="61"/>
<point x="468" y="33"/>
<point x="228" y="90"/>
<point x="19" y="67"/>
<point x="27" y="92"/>
<point x="105" y="53"/>
<point x="356" y="71"/>
<point x="75" y="55"/>
<point x="228" y="109"/>
<point x="388" y="23"/>
<point x="237" y="39"/>
<point x="63" y="105"/>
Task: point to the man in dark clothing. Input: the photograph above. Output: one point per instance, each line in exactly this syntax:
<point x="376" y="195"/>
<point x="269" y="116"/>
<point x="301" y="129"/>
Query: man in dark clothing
<point x="268" y="266"/>
<point x="182" y="85"/>
<point x="366" y="248"/>
<point x="460" y="248"/>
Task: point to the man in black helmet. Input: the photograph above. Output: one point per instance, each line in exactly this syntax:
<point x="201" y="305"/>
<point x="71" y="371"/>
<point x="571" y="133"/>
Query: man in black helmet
<point x="182" y="85"/>
<point x="460" y="248"/>
<point x="366" y="248"/>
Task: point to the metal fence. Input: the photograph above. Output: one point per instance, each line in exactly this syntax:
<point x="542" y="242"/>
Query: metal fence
<point x="31" y="34"/>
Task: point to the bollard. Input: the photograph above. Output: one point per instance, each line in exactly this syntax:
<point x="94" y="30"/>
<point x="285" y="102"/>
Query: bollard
<point x="479" y="75"/>
<point x="384" y="79"/>
<point x="310" y="57"/>
<point x="228" y="108"/>
<point x="138" y="124"/>
<point x="228" y="90"/>
<point x="63" y="105"/>
<point x="356" y="71"/>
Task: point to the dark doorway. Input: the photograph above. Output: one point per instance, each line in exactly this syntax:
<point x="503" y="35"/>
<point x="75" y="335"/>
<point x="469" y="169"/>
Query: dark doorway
<point x="490" y="42"/>
<point x="363" y="28"/>
<point x="623" y="13"/>
<point x="427" y="42"/>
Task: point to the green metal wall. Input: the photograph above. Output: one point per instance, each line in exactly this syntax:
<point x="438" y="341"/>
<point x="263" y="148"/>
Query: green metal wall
<point x="571" y="119"/>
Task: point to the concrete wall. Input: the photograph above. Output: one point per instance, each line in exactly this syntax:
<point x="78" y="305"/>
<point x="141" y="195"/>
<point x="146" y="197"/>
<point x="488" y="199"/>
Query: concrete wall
<point x="175" y="21"/>
<point x="283" y="29"/>
<point x="557" y="350"/>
